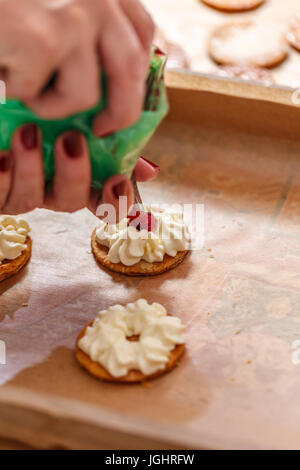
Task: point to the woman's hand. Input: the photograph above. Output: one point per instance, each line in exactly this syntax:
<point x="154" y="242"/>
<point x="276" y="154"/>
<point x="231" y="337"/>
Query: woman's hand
<point x="72" y="39"/>
<point x="22" y="185"/>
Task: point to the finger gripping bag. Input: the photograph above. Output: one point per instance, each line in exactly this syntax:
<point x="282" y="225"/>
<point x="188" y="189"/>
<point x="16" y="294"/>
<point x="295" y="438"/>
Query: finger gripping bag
<point x="115" y="154"/>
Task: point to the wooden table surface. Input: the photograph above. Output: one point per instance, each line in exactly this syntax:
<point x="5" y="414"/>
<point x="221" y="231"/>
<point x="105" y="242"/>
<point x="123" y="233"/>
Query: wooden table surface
<point x="12" y="445"/>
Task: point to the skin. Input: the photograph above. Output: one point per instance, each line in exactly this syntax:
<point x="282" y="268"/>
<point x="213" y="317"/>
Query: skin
<point x="71" y="38"/>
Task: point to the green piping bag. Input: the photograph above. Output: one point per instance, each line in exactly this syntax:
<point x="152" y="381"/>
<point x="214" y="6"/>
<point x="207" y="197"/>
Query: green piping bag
<point x="114" y="154"/>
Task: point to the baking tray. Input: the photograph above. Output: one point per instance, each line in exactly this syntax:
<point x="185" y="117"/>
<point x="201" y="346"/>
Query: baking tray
<point x="191" y="22"/>
<point x="237" y="151"/>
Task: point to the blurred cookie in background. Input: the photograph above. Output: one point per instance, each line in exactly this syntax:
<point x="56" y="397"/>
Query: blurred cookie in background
<point x="177" y="58"/>
<point x="253" y="74"/>
<point x="234" y="6"/>
<point x="293" y="34"/>
<point x="248" y="43"/>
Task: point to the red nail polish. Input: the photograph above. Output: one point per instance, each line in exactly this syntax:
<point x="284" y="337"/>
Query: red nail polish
<point x="73" y="144"/>
<point x="150" y="163"/>
<point x="107" y="134"/>
<point x="5" y="163"/>
<point x="29" y="136"/>
<point x="158" y="51"/>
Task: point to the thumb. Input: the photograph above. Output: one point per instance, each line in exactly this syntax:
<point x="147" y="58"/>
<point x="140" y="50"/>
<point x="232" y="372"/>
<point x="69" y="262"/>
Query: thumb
<point x="116" y="199"/>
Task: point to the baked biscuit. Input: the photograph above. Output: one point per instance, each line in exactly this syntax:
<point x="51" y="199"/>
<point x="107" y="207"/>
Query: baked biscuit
<point x="234" y="6"/>
<point x="142" y="268"/>
<point x="248" y="43"/>
<point x="252" y="74"/>
<point x="293" y="34"/>
<point x="133" y="376"/>
<point x="9" y="268"/>
<point x="177" y="58"/>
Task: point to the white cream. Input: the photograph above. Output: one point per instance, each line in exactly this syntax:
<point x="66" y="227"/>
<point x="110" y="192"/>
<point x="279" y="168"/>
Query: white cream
<point x="106" y="341"/>
<point x="248" y="44"/>
<point x="13" y="234"/>
<point x="128" y="246"/>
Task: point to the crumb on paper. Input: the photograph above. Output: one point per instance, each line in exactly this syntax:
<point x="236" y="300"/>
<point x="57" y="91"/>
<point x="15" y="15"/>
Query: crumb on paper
<point x="211" y="256"/>
<point x="25" y="304"/>
<point x="89" y="252"/>
<point x="238" y="332"/>
<point x="208" y="249"/>
<point x="223" y="227"/>
<point x="232" y="379"/>
<point x="208" y="313"/>
<point x="249" y="361"/>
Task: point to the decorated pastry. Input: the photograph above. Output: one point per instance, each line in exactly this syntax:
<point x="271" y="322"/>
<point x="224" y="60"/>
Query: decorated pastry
<point x="234" y="6"/>
<point x="248" y="43"/>
<point x="131" y="343"/>
<point x="148" y="242"/>
<point x="15" y="245"/>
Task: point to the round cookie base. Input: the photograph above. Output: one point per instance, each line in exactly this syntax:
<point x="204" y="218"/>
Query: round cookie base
<point x="253" y="74"/>
<point x="230" y="6"/>
<point x="143" y="268"/>
<point x="177" y="58"/>
<point x="11" y="267"/>
<point x="269" y="62"/>
<point x="293" y="34"/>
<point x="133" y="376"/>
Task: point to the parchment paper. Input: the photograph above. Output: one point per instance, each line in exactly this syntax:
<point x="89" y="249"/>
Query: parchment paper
<point x="190" y="23"/>
<point x="239" y="295"/>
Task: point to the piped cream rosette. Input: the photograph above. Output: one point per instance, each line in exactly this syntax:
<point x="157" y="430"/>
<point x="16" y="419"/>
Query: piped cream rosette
<point x="159" y="338"/>
<point x="13" y="235"/>
<point x="126" y="246"/>
<point x="15" y="245"/>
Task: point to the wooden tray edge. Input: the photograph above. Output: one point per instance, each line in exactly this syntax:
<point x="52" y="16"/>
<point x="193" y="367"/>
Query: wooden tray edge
<point x="231" y="87"/>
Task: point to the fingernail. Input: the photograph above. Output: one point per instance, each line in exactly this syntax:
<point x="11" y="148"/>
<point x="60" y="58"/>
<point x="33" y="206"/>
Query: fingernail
<point x="151" y="163"/>
<point x="158" y="51"/>
<point x="29" y="136"/>
<point x="73" y="144"/>
<point x="120" y="189"/>
<point x="107" y="134"/>
<point x="5" y="163"/>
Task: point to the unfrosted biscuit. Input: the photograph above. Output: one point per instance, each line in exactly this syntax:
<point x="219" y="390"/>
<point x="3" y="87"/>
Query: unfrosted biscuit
<point x="248" y="43"/>
<point x="142" y="268"/>
<point x="9" y="268"/>
<point x="133" y="376"/>
<point x="253" y="74"/>
<point x="234" y="5"/>
<point x="293" y="34"/>
<point x="177" y="58"/>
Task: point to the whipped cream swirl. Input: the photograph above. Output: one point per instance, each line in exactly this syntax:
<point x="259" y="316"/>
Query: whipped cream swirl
<point x="13" y="234"/>
<point x="107" y="343"/>
<point x="128" y="246"/>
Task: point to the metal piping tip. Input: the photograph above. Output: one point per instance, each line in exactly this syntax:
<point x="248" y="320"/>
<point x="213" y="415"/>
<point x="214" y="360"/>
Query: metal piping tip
<point x="137" y="196"/>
